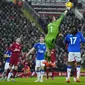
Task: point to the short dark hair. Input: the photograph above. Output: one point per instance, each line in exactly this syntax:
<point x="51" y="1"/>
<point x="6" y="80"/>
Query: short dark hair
<point x="73" y="30"/>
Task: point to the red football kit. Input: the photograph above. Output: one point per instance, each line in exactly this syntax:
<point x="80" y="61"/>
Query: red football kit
<point x="16" y="51"/>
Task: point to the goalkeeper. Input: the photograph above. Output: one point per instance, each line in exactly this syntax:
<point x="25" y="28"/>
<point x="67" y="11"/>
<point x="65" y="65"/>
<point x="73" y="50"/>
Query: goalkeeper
<point x="53" y="32"/>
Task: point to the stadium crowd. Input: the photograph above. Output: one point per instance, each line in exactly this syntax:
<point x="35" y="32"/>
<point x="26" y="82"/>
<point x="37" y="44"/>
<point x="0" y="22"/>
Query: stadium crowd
<point x="14" y="24"/>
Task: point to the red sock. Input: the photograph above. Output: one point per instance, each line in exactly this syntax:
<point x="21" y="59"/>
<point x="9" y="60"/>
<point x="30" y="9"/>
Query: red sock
<point x="74" y="73"/>
<point x="52" y="73"/>
<point x="14" y="73"/>
<point x="7" y="72"/>
<point x="47" y="72"/>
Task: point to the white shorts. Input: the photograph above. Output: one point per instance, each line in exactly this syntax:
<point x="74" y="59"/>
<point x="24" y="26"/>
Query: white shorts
<point x="74" y="56"/>
<point x="7" y="66"/>
<point x="39" y="63"/>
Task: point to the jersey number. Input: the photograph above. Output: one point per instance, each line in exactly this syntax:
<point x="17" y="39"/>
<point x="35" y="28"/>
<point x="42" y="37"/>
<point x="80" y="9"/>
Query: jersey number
<point x="51" y="29"/>
<point x="73" y="40"/>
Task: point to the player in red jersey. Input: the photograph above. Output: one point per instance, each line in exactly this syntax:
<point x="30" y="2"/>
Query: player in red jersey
<point x="16" y="51"/>
<point x="52" y="64"/>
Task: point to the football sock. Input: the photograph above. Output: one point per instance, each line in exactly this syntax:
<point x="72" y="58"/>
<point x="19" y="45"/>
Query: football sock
<point x="7" y="72"/>
<point x="68" y="72"/>
<point x="78" y="71"/>
<point x="38" y="74"/>
<point x="52" y="72"/>
<point x="74" y="73"/>
<point x="47" y="72"/>
<point x="42" y="74"/>
<point x="9" y="75"/>
<point x="14" y="73"/>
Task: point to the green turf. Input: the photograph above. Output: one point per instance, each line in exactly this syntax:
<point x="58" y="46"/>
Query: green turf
<point x="30" y="81"/>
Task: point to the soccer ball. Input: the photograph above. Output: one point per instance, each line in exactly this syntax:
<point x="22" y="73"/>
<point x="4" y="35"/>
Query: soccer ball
<point x="69" y="5"/>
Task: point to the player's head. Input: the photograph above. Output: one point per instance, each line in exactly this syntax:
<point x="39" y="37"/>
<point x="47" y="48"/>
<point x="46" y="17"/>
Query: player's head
<point x="73" y="30"/>
<point x="41" y="39"/>
<point x="18" y="40"/>
<point x="52" y="19"/>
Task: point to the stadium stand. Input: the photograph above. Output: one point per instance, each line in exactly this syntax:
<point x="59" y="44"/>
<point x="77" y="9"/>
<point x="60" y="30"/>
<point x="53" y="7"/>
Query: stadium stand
<point x="13" y="24"/>
<point x="52" y="7"/>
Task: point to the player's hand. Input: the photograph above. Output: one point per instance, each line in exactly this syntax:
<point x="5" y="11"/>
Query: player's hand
<point x="68" y="8"/>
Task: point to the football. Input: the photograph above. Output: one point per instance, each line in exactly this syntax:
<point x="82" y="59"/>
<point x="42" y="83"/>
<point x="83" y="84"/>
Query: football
<point x="69" y="5"/>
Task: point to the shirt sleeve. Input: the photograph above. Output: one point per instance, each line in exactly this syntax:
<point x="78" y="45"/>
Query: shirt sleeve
<point x="35" y="46"/>
<point x="66" y="40"/>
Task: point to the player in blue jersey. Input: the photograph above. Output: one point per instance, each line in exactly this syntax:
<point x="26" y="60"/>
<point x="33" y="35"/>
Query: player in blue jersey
<point x="74" y="39"/>
<point x="7" y="55"/>
<point x="40" y="48"/>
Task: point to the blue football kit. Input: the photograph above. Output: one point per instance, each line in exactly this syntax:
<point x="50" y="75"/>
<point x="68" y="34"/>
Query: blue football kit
<point x="74" y="41"/>
<point x="40" y="50"/>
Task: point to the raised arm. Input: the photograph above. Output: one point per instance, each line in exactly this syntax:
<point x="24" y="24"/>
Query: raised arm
<point x="30" y="51"/>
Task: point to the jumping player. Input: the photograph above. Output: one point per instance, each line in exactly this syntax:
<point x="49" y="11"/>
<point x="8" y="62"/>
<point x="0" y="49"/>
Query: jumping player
<point x="53" y="32"/>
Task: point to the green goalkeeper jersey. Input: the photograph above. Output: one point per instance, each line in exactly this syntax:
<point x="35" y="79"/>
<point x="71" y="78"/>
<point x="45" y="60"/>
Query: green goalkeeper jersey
<point x="53" y="30"/>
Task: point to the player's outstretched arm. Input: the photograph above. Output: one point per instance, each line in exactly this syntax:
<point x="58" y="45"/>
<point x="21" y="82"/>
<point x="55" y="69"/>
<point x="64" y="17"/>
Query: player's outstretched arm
<point x="30" y="51"/>
<point x="65" y="12"/>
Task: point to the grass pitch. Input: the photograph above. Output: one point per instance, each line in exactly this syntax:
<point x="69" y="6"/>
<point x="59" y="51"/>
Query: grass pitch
<point x="30" y="81"/>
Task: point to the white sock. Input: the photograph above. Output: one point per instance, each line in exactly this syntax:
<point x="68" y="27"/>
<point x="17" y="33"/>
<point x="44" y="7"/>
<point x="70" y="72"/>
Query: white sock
<point x="68" y="71"/>
<point x="78" y="71"/>
<point x="38" y="75"/>
<point x="9" y="75"/>
<point x="42" y="74"/>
